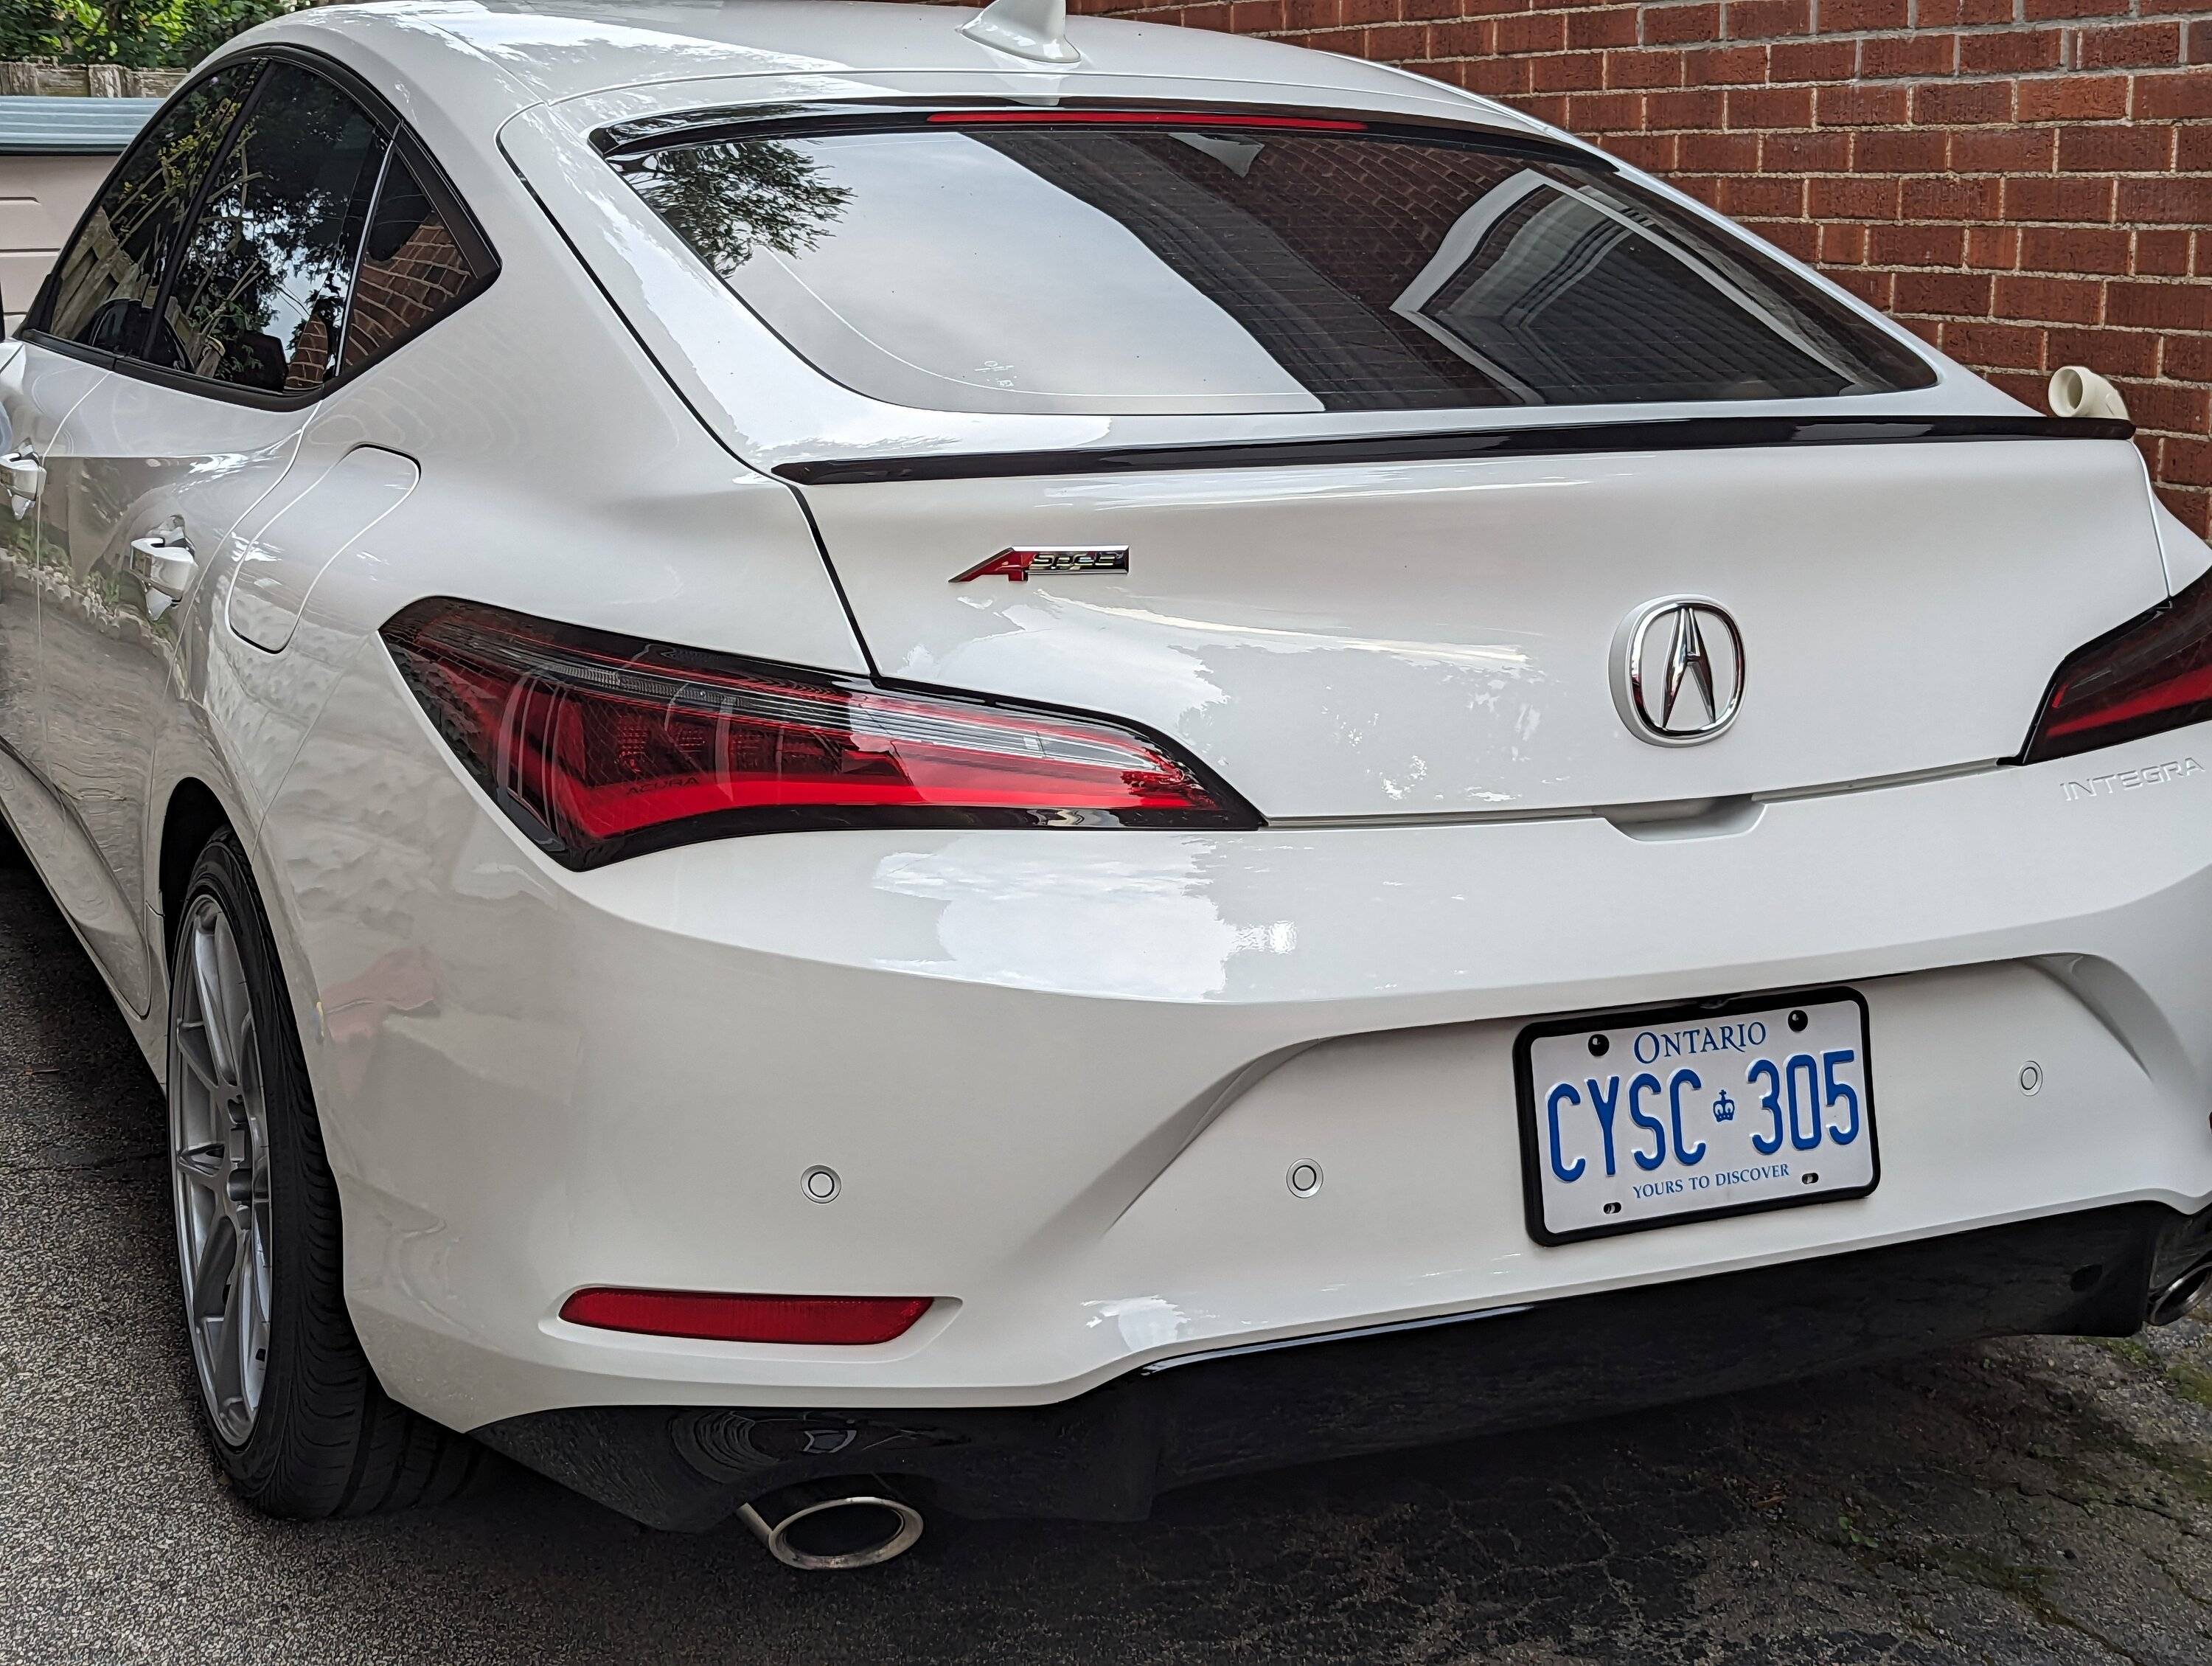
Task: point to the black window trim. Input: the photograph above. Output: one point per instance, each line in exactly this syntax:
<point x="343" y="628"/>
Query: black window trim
<point x="400" y="141"/>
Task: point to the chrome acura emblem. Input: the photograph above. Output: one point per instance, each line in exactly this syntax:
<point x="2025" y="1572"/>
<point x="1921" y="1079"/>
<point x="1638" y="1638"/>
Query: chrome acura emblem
<point x="1678" y="670"/>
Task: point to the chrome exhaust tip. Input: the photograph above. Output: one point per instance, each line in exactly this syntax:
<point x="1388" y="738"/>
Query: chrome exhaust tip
<point x="826" y="1526"/>
<point x="2183" y="1297"/>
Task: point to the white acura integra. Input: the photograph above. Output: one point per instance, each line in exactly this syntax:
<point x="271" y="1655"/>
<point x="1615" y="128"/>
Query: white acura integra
<point x="844" y="753"/>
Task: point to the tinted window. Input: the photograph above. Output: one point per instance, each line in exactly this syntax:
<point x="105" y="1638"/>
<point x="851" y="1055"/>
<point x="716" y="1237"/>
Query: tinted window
<point x="1087" y="268"/>
<point x="105" y="289"/>
<point x="412" y="268"/>
<point x="260" y="294"/>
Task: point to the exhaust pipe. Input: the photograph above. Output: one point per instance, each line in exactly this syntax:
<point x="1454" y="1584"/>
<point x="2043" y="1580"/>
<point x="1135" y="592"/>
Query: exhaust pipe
<point x="2181" y="1298"/>
<point x="823" y="1525"/>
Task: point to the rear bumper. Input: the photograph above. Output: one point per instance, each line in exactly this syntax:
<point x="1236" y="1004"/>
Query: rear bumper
<point x="1063" y="1075"/>
<point x="1105" y="1455"/>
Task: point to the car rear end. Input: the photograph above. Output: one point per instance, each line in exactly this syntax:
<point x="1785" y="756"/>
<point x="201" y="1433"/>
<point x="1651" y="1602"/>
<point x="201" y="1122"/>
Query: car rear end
<point x="1473" y="799"/>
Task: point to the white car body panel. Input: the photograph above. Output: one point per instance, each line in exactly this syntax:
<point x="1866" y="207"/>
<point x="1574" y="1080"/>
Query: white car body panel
<point x="1062" y="1074"/>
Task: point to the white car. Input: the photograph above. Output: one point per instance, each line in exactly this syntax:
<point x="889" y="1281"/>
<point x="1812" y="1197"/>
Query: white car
<point x="854" y="760"/>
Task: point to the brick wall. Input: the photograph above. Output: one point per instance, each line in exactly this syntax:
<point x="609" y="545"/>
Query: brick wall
<point x="2027" y="183"/>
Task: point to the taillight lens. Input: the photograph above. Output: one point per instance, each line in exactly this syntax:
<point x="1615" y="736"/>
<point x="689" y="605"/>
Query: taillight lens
<point x="834" y="1321"/>
<point x="2155" y="673"/>
<point x="599" y="746"/>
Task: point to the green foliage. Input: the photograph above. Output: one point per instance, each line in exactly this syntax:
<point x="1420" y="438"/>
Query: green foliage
<point x="141" y="34"/>
<point x="728" y="200"/>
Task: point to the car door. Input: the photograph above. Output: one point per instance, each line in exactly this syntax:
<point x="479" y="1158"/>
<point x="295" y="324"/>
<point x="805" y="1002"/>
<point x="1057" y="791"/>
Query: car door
<point x="99" y="296"/>
<point x="196" y="422"/>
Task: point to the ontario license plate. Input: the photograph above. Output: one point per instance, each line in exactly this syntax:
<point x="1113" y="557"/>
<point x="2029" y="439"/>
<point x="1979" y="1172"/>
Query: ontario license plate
<point x="1648" y="1119"/>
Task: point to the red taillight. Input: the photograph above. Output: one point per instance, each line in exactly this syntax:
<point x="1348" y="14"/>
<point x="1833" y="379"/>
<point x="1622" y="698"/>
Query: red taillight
<point x="2153" y="673"/>
<point x="600" y="746"/>
<point x="1140" y="119"/>
<point x="834" y="1321"/>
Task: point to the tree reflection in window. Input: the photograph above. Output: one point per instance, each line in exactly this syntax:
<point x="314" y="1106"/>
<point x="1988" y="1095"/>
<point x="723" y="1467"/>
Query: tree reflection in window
<point x="260" y="294"/>
<point x="728" y="201"/>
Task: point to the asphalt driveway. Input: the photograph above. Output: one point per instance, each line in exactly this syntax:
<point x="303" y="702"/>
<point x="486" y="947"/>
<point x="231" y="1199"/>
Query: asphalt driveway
<point x="2023" y="1502"/>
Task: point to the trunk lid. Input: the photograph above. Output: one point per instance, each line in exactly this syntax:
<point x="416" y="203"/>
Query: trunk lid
<point x="1352" y="641"/>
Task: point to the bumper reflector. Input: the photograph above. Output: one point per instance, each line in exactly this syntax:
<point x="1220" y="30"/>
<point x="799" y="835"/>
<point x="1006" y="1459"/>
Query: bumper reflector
<point x="837" y="1320"/>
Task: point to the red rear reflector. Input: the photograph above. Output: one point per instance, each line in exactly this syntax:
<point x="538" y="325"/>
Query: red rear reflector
<point x="2151" y="674"/>
<point x="600" y="746"/>
<point x="837" y="1321"/>
<point x="1140" y="119"/>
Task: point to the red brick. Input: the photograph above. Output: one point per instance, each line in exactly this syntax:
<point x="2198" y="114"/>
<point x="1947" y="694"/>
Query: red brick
<point x="1309" y="14"/>
<point x="2013" y="346"/>
<point x="2016" y="151"/>
<point x="2191" y="508"/>
<point x="2073" y="98"/>
<point x="2168" y="405"/>
<point x="2186" y="461"/>
<point x="1966" y="103"/>
<point x="2114" y="352"/>
<point x="1654" y="152"/>
<point x="1797" y="237"/>
<point x="2052" y="299"/>
<point x="1852" y="17"/>
<point x="2128" y="45"/>
<point x="1916" y="152"/>
<point x="1497" y="77"/>
<point x="2037" y="10"/>
<point x="1805" y="152"/>
<point x="2074" y="249"/>
<point x="1993" y="248"/>
<point x="2170" y="201"/>
<point x="1606" y="112"/>
<point x="2115" y="149"/>
<point x="1959" y="295"/>
<point x="1852" y="199"/>
<point x="1770" y="106"/>
<point x="2153" y="306"/>
<point x="1352" y="11"/>
<point x="1749" y="196"/>
<point x="1763" y="19"/>
<point x="1611" y="25"/>
<point x="1566" y="72"/>
<point x="1718" y="153"/>
<point x="2162" y="254"/>
<point x="1253" y="16"/>
<point x="1950" y="13"/>
<point x="1644" y="68"/>
<point x="1698" y="106"/>
<point x="1725" y="66"/>
<point x="1876" y="288"/>
<point x="1864" y="106"/>
<point x="1842" y="246"/>
<point x="1812" y="60"/>
<point x="2027" y="198"/>
<point x="1467" y="38"/>
<point x="1537" y="32"/>
<point x="1909" y="55"/>
<point x="2188" y="358"/>
<point x="2009" y="52"/>
<point x="2168" y="97"/>
<point x="2192" y="152"/>
<point x="1669" y="25"/>
<point x="1954" y="197"/>
<point x="1917" y="246"/>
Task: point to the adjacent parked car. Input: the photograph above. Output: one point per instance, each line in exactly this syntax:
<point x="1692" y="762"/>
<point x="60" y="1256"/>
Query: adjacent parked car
<point x="852" y="760"/>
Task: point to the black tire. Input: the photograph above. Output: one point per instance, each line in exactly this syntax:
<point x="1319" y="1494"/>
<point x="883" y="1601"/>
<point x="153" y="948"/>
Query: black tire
<point x="325" y="1439"/>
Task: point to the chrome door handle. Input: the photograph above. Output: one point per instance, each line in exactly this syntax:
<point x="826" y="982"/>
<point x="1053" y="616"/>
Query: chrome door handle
<point x="27" y="476"/>
<point x="166" y="563"/>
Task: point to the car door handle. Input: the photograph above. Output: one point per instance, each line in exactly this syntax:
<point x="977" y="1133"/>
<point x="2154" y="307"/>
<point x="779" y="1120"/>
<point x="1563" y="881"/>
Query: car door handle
<point x="166" y="563"/>
<point x="27" y="476"/>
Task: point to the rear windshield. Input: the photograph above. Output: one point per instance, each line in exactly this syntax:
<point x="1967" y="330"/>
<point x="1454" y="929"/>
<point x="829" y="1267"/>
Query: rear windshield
<point x="1170" y="269"/>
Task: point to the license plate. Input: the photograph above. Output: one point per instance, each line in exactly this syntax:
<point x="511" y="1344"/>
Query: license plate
<point x="1635" y="1120"/>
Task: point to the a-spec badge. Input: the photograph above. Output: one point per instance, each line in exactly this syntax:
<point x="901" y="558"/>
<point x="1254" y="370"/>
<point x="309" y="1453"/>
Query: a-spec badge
<point x="1678" y="670"/>
<point x="1021" y="565"/>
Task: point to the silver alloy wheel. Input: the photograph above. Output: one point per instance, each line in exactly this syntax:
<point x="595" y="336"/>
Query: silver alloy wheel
<point x="219" y="1155"/>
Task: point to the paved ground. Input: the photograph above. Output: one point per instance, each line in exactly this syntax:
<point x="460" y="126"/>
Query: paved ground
<point x="2026" y="1502"/>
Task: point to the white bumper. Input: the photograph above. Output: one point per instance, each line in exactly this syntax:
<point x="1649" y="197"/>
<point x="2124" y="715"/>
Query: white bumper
<point x="1062" y="1075"/>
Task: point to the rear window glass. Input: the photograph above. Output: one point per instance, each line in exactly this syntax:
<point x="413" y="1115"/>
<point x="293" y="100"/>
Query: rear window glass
<point x="1231" y="269"/>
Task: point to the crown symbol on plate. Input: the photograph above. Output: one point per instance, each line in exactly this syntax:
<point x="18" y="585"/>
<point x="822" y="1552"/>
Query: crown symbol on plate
<point x="1723" y="1107"/>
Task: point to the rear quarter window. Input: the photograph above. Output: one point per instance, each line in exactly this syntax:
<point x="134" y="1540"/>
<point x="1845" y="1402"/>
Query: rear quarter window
<point x="1087" y="267"/>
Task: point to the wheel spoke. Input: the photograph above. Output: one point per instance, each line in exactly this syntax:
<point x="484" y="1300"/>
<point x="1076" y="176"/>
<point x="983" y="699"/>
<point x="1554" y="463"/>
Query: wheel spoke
<point x="207" y="990"/>
<point x="203" y="1165"/>
<point x="223" y="1350"/>
<point x="211" y="1273"/>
